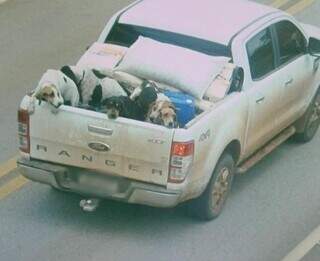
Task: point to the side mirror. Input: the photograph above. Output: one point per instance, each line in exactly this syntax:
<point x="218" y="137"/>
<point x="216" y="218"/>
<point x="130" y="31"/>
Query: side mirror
<point x="314" y="46"/>
<point x="237" y="80"/>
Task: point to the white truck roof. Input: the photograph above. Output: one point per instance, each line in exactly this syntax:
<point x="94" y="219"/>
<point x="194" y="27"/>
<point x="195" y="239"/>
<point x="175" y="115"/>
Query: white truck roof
<point x="214" y="20"/>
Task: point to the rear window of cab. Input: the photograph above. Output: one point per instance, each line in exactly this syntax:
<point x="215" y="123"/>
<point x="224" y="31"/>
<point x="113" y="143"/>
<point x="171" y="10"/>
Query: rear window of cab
<point x="126" y="35"/>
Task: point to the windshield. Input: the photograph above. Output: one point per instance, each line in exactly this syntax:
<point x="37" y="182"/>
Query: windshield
<point x="126" y="35"/>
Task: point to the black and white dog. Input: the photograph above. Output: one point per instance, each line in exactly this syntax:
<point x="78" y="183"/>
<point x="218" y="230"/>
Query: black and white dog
<point x="146" y="96"/>
<point x="93" y="87"/>
<point x="158" y="108"/>
<point x="124" y="106"/>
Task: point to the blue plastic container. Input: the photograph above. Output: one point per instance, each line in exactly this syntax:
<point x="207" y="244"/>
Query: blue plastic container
<point x="185" y="105"/>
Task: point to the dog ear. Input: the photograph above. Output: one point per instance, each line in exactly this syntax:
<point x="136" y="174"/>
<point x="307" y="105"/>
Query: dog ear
<point x="38" y="96"/>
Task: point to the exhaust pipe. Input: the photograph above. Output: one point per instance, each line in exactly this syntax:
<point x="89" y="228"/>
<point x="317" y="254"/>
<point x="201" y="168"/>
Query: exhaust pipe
<point x="89" y="205"/>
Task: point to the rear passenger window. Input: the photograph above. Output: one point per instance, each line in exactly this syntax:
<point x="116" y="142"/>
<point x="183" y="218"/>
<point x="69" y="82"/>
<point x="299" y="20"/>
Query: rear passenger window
<point x="291" y="41"/>
<point x="261" y="54"/>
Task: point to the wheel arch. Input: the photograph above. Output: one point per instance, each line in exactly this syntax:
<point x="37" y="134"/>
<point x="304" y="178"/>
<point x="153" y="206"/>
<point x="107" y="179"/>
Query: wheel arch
<point x="300" y="123"/>
<point x="234" y="149"/>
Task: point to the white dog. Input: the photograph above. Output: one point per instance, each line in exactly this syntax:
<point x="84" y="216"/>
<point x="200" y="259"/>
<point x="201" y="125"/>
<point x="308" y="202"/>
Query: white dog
<point x="56" y="89"/>
<point x="92" y="89"/>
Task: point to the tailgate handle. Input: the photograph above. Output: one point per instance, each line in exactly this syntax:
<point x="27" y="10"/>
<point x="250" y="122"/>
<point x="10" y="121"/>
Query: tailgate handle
<point x="260" y="100"/>
<point x="100" y="130"/>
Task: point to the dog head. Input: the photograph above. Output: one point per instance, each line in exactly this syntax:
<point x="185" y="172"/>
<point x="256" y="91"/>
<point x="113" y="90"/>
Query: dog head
<point x="147" y="84"/>
<point x="48" y="92"/>
<point x="163" y="113"/>
<point x="114" y="106"/>
<point x="168" y="117"/>
<point x="154" y="110"/>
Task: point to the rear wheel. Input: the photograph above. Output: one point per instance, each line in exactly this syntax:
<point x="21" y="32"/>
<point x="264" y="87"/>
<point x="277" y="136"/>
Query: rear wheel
<point x="311" y="121"/>
<point x="210" y="204"/>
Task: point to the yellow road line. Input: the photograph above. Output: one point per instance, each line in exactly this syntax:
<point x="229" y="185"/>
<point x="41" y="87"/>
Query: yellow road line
<point x="279" y="3"/>
<point x="12" y="186"/>
<point x="298" y="7"/>
<point x="8" y="166"/>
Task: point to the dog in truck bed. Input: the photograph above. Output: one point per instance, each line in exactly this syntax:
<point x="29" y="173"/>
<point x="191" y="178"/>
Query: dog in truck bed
<point x="122" y="106"/>
<point x="146" y="96"/>
<point x="163" y="112"/>
<point x="133" y="109"/>
<point x="56" y="89"/>
<point x="93" y="87"/>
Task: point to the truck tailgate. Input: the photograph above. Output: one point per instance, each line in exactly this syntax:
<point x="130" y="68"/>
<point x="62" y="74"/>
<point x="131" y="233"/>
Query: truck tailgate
<point x="82" y="138"/>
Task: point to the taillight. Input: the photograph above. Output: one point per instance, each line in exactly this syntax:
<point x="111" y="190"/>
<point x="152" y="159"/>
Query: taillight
<point x="23" y="131"/>
<point x="180" y="161"/>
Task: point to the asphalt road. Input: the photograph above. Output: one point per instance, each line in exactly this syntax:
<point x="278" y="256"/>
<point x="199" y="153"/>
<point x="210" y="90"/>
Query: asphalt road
<point x="271" y="208"/>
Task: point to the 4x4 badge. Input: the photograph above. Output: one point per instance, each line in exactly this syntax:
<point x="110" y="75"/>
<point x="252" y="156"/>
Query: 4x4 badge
<point x="156" y="141"/>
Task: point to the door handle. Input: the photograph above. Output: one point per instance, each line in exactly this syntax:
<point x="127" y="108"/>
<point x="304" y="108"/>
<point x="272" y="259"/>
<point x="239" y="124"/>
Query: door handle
<point x="289" y="82"/>
<point x="260" y="100"/>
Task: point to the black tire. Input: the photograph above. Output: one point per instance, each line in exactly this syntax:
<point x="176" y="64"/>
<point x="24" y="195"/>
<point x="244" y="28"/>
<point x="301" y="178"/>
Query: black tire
<point x="310" y="121"/>
<point x="211" y="202"/>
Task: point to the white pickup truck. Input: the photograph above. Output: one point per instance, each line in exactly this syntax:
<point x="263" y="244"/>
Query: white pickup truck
<point x="82" y="151"/>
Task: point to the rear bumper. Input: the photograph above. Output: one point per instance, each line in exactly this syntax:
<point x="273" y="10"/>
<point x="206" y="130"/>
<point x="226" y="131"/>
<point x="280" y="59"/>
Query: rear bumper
<point x="95" y="184"/>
